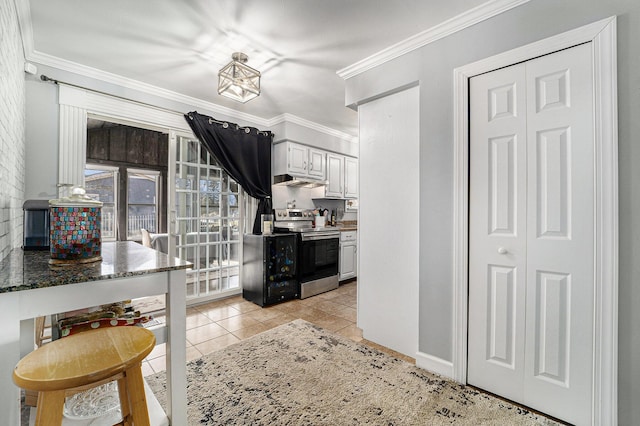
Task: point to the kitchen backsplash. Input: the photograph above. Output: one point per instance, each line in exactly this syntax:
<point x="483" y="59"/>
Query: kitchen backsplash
<point x="304" y="199"/>
<point x="303" y="196"/>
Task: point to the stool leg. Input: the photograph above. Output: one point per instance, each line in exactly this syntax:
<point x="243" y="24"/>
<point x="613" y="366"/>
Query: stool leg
<point x="125" y="408"/>
<point x="135" y="389"/>
<point x="50" y="406"/>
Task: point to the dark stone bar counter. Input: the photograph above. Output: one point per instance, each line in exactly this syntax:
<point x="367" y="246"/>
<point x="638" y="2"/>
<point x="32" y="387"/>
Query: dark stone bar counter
<point x="31" y="287"/>
<point x="26" y="270"/>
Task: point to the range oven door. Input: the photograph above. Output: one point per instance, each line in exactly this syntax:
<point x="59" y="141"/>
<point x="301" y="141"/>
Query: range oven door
<point x="319" y="256"/>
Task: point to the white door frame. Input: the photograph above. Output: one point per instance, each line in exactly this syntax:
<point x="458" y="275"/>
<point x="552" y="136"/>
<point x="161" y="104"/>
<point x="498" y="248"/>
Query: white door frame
<point x="602" y="35"/>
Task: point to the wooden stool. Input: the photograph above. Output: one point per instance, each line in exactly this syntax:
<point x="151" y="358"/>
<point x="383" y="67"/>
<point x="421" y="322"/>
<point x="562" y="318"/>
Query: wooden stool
<point x="86" y="360"/>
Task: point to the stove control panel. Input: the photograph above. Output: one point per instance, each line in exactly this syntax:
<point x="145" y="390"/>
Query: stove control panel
<point x="293" y="214"/>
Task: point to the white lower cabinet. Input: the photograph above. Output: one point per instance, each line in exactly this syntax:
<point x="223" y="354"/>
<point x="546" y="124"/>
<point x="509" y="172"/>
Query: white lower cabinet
<point x="348" y="255"/>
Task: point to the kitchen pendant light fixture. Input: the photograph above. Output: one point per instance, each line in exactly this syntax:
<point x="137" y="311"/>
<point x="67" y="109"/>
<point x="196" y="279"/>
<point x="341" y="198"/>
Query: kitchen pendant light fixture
<point x="238" y="81"/>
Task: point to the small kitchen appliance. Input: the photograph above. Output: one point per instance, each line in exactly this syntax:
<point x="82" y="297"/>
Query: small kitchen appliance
<point x="318" y="250"/>
<point x="35" y="225"/>
<point x="75" y="229"/>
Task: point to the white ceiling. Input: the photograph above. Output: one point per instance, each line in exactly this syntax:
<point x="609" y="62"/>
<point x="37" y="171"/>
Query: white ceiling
<point x="298" y="45"/>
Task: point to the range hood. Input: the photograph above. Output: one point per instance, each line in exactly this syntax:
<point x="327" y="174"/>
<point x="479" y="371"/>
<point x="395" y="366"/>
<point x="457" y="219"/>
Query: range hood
<point x="288" y="180"/>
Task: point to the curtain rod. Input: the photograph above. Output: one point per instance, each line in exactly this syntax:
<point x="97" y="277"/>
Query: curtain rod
<point x="54" y="81"/>
<point x="224" y="124"/>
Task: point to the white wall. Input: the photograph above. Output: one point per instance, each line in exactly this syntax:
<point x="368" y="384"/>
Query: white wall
<point x="388" y="247"/>
<point x="433" y="66"/>
<point x="41" y="167"/>
<point x="12" y="129"/>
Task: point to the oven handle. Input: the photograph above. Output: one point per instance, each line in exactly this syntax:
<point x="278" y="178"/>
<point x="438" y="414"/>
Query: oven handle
<point x="311" y="237"/>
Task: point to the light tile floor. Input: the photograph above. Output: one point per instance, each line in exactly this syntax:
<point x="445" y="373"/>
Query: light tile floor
<point x="216" y="325"/>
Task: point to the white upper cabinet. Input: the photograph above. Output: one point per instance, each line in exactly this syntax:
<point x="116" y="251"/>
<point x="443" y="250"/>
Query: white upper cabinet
<point x="338" y="171"/>
<point x="350" y="177"/>
<point x="316" y="163"/>
<point x="298" y="160"/>
<point x="335" y="176"/>
<point x="342" y="176"/>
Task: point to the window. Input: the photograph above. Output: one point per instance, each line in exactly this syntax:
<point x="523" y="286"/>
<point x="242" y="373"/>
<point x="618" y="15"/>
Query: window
<point x="140" y="208"/>
<point x="138" y="158"/>
<point x="142" y="202"/>
<point x="101" y="183"/>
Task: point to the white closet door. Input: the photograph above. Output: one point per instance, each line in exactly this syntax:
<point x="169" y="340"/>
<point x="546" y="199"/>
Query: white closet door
<point x="560" y="235"/>
<point x="497" y="238"/>
<point x="531" y="254"/>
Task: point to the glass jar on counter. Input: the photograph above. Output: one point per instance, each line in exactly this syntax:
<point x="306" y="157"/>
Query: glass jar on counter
<point x="75" y="229"/>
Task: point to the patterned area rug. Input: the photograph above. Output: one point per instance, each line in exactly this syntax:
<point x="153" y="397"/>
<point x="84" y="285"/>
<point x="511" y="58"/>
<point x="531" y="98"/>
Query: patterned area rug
<point x="300" y="374"/>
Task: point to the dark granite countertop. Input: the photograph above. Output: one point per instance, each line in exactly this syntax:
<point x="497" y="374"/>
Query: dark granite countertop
<point x="26" y="270"/>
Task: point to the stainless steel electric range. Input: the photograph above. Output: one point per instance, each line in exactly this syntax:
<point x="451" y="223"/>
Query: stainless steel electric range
<point x="318" y="250"/>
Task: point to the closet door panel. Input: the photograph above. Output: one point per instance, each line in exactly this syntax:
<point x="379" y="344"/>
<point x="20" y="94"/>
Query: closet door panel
<point x="497" y="233"/>
<point x="560" y="240"/>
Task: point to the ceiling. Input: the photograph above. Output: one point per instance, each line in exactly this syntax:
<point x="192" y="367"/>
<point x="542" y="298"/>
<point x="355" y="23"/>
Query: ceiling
<point x="179" y="46"/>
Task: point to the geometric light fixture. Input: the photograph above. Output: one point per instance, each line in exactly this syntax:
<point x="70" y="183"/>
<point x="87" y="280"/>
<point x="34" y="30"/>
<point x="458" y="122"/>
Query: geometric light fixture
<point x="238" y="81"/>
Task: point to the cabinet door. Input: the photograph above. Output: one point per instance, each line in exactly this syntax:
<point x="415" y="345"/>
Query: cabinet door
<point x="316" y="163"/>
<point x="348" y="261"/>
<point x="350" y="177"/>
<point x="335" y="168"/>
<point x="297" y="159"/>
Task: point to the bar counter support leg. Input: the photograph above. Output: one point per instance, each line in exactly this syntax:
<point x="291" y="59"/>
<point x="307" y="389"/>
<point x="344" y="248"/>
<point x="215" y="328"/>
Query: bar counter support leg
<point x="176" y="348"/>
<point x="10" y="350"/>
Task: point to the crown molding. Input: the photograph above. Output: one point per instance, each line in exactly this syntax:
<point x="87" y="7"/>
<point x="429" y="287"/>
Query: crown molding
<point x="86" y="71"/>
<point x="63" y="64"/>
<point x="457" y="23"/>
<point x="290" y="118"/>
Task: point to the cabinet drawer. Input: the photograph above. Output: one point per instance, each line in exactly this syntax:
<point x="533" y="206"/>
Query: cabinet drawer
<point x="348" y="236"/>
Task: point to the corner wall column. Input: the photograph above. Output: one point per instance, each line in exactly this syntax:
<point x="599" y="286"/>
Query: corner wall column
<point x="73" y="147"/>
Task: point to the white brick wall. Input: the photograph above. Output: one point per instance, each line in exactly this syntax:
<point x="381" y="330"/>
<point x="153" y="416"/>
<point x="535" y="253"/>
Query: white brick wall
<point x="12" y="129"/>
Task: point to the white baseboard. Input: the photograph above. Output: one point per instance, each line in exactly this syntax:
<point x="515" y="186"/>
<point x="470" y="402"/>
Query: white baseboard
<point x="434" y="364"/>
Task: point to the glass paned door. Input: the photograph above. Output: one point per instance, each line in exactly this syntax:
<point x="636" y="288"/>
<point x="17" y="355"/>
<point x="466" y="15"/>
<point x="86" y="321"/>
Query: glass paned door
<point x="207" y="219"/>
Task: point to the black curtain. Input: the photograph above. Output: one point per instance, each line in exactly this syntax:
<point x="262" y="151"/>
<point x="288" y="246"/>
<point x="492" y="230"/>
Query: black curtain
<point x="243" y="152"/>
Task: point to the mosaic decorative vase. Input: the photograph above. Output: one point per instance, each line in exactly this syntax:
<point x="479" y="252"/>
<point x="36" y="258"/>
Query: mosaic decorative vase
<point x="75" y="224"/>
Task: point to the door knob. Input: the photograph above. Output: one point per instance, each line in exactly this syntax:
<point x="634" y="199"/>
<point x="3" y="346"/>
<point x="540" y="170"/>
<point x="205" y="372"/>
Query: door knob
<point x="502" y="250"/>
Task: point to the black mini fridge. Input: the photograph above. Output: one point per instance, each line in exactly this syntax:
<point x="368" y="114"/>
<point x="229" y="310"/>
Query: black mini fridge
<point x="269" y="268"/>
